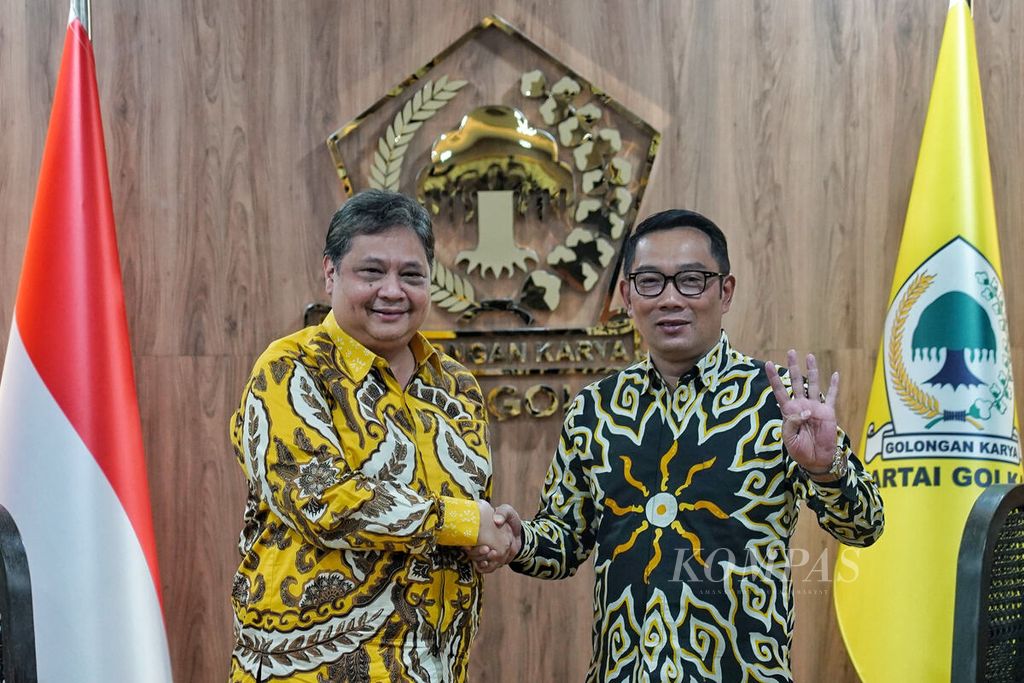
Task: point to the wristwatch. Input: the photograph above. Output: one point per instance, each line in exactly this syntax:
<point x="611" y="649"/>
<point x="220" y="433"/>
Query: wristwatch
<point x="838" y="468"/>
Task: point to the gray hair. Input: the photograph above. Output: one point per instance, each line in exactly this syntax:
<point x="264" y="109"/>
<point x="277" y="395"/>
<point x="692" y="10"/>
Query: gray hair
<point x="372" y="212"/>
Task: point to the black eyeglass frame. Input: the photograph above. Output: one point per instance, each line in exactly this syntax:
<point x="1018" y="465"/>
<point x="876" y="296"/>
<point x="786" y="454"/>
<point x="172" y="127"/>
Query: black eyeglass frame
<point x="708" y="275"/>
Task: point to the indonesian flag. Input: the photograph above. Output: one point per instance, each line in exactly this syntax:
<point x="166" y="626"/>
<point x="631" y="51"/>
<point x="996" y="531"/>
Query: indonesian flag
<point x="72" y="470"/>
<point x="941" y="423"/>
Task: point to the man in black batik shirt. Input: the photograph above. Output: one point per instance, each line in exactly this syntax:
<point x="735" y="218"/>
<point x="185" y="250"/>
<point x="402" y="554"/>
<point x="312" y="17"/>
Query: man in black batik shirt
<point x="684" y="473"/>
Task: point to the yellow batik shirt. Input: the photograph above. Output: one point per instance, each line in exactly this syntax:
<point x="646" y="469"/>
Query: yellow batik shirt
<point x="361" y="493"/>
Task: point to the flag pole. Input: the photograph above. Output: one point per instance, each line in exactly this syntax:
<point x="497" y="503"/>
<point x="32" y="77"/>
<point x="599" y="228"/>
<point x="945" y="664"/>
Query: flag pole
<point x="82" y="10"/>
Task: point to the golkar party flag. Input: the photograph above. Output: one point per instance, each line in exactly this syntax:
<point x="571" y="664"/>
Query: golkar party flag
<point x="941" y="423"/>
<point x="72" y="470"/>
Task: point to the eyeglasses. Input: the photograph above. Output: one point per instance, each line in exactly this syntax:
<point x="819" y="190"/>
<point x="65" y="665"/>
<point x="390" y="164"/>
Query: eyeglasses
<point x="690" y="283"/>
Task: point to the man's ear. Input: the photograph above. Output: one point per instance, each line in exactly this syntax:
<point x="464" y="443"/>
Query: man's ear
<point x="728" y="288"/>
<point x="330" y="273"/>
<point x="626" y="295"/>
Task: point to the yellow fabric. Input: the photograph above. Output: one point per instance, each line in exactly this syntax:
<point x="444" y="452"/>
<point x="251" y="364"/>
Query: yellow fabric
<point x="461" y="522"/>
<point x="894" y="600"/>
<point x="359" y="491"/>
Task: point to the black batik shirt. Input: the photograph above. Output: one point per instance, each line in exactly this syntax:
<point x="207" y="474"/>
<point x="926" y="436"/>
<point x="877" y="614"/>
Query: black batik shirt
<point x="690" y="500"/>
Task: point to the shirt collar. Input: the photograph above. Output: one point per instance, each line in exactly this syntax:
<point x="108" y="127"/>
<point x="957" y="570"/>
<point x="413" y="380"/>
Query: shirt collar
<point x="355" y="360"/>
<point x="708" y="369"/>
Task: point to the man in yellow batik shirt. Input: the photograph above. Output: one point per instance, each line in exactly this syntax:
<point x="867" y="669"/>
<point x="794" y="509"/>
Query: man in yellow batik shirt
<point x="366" y="456"/>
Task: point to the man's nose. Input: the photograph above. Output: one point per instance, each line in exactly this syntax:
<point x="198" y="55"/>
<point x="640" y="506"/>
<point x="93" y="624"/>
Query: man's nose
<point x="671" y="298"/>
<point x="391" y="286"/>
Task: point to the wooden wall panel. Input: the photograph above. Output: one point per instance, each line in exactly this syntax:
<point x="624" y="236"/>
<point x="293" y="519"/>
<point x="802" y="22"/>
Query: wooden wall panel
<point x="795" y="125"/>
<point x="196" y="489"/>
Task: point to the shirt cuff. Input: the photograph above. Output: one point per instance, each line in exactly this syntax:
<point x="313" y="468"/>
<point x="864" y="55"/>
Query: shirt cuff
<point x="527" y="550"/>
<point x="460" y="522"/>
<point x="830" y="491"/>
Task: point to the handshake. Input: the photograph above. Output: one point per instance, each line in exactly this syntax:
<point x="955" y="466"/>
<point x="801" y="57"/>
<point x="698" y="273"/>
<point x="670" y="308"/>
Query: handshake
<point x="499" y="539"/>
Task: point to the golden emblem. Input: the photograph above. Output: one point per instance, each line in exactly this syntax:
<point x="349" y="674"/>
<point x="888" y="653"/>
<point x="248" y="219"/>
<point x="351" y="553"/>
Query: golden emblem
<point x="533" y="176"/>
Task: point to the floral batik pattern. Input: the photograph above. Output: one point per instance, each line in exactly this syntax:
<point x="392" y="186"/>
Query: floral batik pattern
<point x="360" y="493"/>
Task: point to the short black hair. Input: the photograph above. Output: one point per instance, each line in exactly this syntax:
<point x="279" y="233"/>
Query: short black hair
<point x="677" y="218"/>
<point x="371" y="212"/>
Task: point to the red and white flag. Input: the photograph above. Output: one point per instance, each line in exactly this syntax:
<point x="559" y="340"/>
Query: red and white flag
<point x="72" y="468"/>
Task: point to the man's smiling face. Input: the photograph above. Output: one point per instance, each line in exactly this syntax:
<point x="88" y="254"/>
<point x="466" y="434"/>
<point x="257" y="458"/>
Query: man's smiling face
<point x="380" y="289"/>
<point x="678" y="329"/>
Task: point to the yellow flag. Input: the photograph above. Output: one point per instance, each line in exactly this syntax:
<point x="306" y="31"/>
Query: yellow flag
<point x="941" y="423"/>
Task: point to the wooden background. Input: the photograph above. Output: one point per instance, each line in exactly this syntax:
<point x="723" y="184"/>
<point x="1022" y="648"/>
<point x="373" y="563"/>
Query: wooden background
<point x="795" y="125"/>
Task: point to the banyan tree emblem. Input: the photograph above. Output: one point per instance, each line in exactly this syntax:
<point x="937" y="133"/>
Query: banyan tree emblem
<point x="532" y="173"/>
<point x="947" y="363"/>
